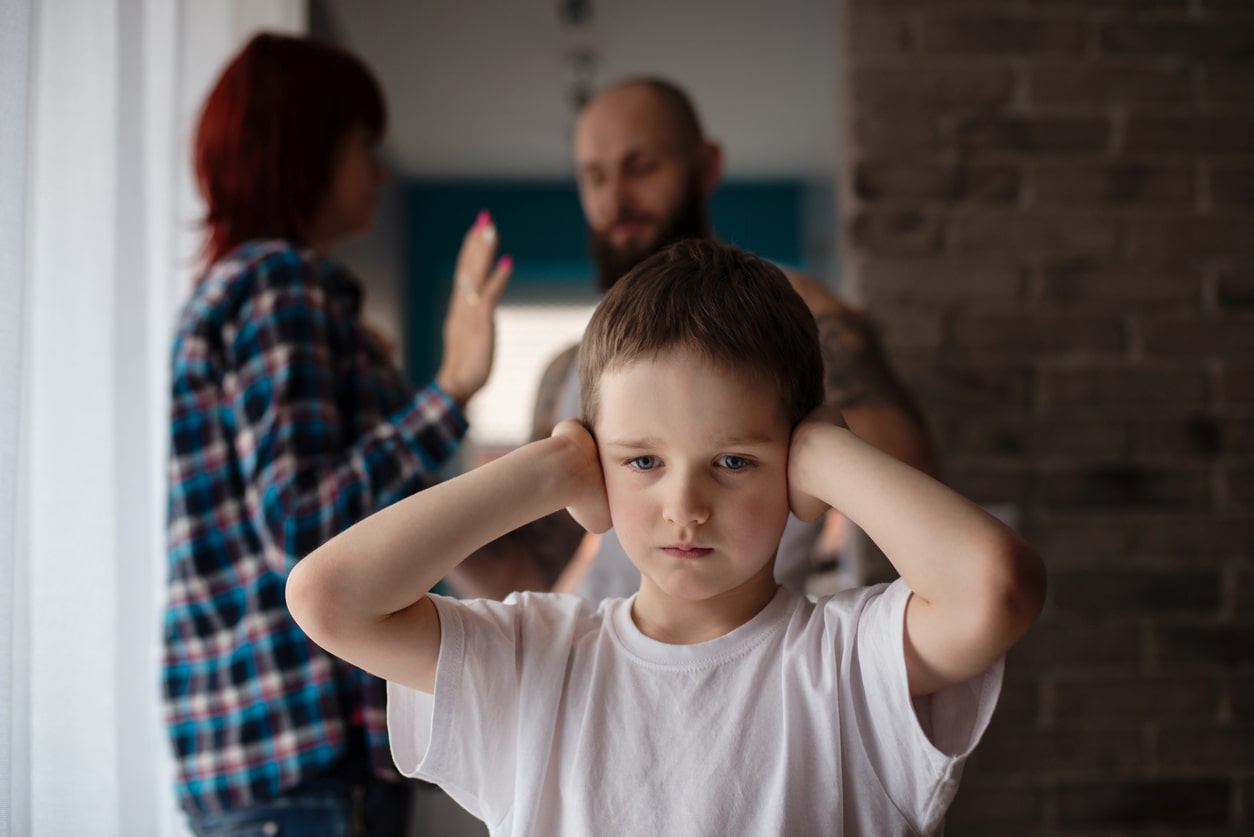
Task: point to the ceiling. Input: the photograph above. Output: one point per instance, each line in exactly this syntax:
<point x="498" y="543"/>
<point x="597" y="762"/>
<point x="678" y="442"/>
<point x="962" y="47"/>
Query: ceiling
<point x="483" y="88"/>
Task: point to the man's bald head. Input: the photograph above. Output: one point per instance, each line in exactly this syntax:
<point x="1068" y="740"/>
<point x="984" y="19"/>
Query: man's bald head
<point x="671" y="101"/>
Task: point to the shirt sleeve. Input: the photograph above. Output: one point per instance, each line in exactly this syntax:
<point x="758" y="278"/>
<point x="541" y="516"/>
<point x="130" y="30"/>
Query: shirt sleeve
<point x="918" y="747"/>
<point x="464" y="736"/>
<point x="307" y="478"/>
<point x="499" y="662"/>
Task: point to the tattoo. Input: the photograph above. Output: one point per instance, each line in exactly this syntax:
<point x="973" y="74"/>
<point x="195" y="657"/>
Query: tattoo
<point x="857" y="373"/>
<point x="859" y="382"/>
<point x="544" y="417"/>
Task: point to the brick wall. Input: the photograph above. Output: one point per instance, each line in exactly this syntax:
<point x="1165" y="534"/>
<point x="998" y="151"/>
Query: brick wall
<point x="1050" y="210"/>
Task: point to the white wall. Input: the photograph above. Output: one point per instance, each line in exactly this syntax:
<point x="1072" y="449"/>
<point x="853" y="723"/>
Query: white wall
<point x="480" y="87"/>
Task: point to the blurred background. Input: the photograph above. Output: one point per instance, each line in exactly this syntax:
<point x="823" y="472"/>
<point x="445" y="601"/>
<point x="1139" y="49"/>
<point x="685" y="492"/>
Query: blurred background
<point x="1046" y="205"/>
<point x="483" y="97"/>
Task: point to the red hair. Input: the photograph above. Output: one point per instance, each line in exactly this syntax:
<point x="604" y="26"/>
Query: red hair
<point x="269" y="135"/>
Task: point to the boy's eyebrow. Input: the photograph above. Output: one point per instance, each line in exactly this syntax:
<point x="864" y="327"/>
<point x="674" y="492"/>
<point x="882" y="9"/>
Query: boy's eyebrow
<point x="649" y="443"/>
<point x="634" y="445"/>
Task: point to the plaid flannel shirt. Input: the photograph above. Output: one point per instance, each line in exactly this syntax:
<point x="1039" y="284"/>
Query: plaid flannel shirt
<point x="288" y="424"/>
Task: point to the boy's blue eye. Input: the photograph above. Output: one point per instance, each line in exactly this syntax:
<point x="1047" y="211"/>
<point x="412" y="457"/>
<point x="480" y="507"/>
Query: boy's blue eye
<point x="732" y="462"/>
<point x="643" y="463"/>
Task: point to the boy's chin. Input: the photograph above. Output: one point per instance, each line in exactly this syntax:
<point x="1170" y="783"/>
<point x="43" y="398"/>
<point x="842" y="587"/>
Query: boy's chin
<point x="701" y="587"/>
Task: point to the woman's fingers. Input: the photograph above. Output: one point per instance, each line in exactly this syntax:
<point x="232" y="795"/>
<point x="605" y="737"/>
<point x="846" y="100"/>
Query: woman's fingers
<point x="498" y="279"/>
<point x="469" y="327"/>
<point x="475" y="258"/>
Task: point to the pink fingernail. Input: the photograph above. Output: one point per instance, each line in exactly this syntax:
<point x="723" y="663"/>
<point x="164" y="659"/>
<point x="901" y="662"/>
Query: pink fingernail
<point x="483" y="219"/>
<point x="506" y="262"/>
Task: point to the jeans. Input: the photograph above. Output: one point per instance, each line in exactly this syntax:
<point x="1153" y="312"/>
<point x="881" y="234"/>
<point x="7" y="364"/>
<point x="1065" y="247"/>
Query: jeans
<point x="326" y="806"/>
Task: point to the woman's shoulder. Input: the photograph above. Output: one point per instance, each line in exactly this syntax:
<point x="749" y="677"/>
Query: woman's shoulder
<point x="272" y="265"/>
<point x="251" y="279"/>
<point x="265" y="260"/>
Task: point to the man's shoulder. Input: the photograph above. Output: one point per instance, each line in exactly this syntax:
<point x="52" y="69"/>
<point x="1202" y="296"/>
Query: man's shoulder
<point x="819" y="298"/>
<point x="553" y="382"/>
<point x="562" y="363"/>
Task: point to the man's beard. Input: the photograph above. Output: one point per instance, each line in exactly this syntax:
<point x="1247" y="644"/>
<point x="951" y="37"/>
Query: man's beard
<point x="688" y="221"/>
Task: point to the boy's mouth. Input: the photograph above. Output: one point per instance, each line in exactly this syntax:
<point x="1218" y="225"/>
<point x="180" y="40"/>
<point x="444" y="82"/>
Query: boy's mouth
<point x="680" y="551"/>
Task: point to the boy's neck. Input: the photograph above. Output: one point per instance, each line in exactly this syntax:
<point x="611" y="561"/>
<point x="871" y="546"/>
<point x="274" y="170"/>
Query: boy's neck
<point x="677" y="621"/>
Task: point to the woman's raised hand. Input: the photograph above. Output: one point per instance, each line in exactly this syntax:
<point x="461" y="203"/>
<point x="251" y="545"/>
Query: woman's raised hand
<point x="470" y="326"/>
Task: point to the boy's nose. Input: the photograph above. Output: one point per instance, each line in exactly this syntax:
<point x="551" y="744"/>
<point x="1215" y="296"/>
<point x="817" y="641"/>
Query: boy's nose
<point x="685" y="505"/>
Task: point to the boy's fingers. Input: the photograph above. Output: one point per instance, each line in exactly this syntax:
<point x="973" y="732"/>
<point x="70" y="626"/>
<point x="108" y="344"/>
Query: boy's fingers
<point x="592" y="511"/>
<point x="569" y="426"/>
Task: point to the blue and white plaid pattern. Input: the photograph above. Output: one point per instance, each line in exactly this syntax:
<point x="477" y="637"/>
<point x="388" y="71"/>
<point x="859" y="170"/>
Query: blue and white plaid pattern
<point x="288" y="424"/>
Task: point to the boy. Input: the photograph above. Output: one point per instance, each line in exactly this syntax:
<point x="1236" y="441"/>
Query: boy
<point x="712" y="701"/>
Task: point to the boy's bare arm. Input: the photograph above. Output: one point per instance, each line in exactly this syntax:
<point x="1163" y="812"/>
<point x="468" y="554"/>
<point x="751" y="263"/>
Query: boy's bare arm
<point x="363" y="595"/>
<point x="859" y="381"/>
<point x="977" y="586"/>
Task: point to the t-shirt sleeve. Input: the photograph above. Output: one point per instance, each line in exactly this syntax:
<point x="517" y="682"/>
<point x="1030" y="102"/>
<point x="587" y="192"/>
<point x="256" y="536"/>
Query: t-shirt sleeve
<point x="918" y="747"/>
<point x="499" y="661"/>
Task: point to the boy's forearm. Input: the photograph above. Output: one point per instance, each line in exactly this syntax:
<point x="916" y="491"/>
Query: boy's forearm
<point x="390" y="560"/>
<point x="896" y="431"/>
<point x="943" y="545"/>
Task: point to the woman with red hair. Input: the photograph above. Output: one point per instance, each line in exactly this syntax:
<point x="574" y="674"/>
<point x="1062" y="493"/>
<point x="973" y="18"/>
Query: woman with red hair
<point x="289" y="423"/>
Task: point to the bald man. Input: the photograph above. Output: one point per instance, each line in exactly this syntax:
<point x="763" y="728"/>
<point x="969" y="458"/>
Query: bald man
<point x="645" y="172"/>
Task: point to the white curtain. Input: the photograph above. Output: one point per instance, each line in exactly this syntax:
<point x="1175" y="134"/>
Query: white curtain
<point x="97" y="99"/>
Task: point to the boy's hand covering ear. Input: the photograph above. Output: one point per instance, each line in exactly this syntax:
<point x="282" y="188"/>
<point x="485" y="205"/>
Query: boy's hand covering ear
<point x="804" y="505"/>
<point x="591" y="508"/>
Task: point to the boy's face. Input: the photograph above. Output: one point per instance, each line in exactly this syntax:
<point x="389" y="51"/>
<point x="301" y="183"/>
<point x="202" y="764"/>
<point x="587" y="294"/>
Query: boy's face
<point x="696" y="471"/>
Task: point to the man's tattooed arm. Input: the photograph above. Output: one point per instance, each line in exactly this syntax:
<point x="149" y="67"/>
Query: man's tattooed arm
<point x="860" y="383"/>
<point x="855" y="369"/>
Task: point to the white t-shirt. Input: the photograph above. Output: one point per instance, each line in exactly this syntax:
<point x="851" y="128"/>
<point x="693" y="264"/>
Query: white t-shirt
<point x="551" y="718"/>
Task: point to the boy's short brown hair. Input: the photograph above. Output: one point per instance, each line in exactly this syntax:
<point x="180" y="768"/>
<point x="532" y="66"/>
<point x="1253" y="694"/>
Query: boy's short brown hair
<point x="733" y="308"/>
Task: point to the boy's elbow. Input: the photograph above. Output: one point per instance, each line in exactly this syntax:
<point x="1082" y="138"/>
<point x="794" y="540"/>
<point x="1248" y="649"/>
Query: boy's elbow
<point x="305" y="600"/>
<point x="1018" y="588"/>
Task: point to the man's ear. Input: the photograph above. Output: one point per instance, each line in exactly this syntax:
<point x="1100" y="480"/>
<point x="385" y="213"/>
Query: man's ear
<point x="710" y="166"/>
